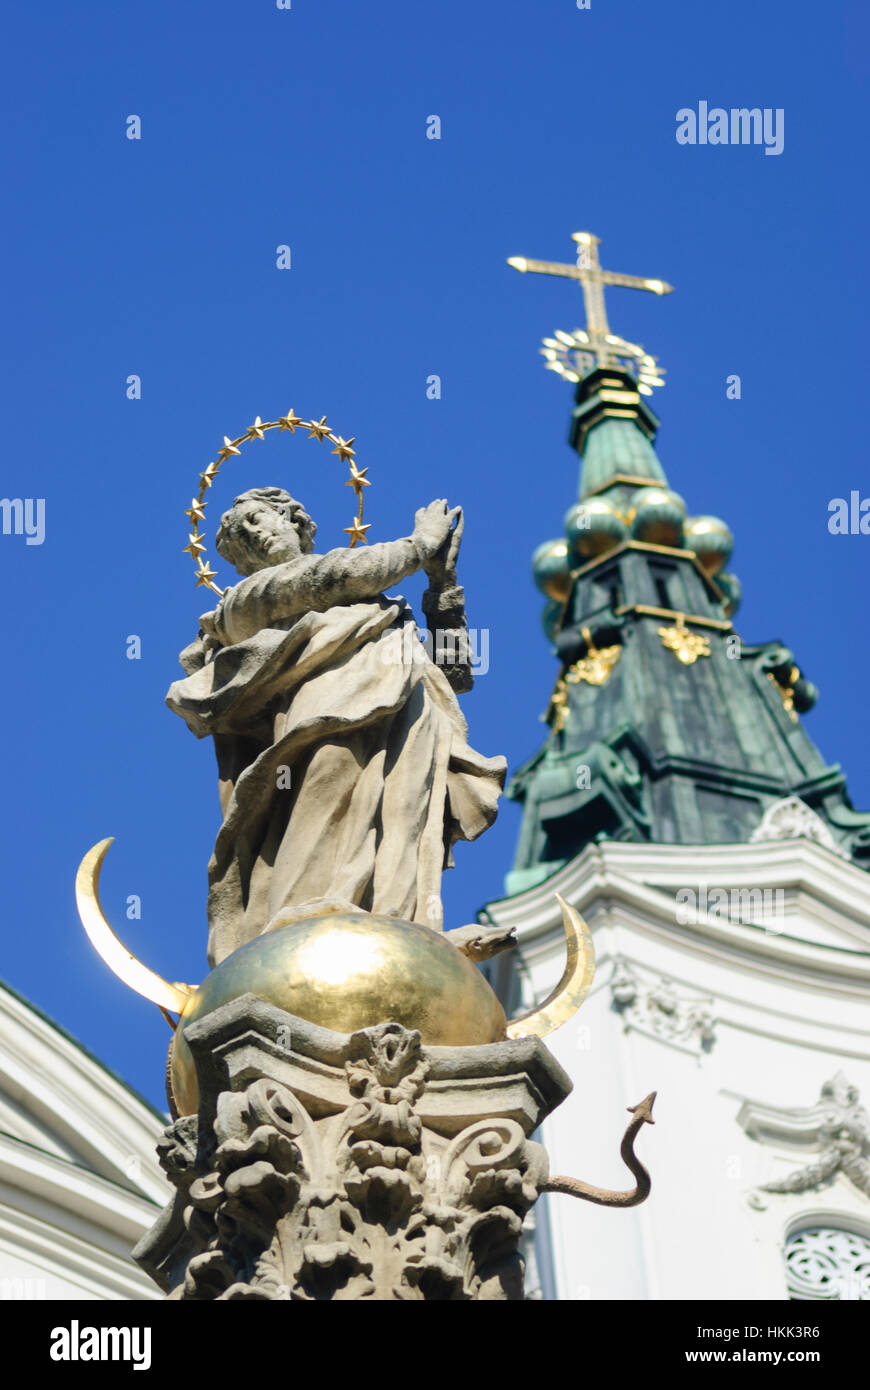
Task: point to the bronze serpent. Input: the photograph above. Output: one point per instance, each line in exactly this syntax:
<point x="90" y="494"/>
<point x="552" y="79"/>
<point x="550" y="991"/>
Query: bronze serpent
<point x="573" y="1187"/>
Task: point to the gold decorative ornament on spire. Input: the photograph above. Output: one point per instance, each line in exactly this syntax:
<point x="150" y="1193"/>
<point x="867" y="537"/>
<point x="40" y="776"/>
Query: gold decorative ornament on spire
<point x="686" y="646"/>
<point x="319" y="430"/>
<point x="595" y="667"/>
<point x="557" y="713"/>
<point x="574" y="355"/>
<point x="785" y="690"/>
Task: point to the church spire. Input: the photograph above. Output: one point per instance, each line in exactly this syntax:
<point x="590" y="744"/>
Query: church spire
<point x="610" y="373"/>
<point x="613" y="430"/>
<point x="663" y="724"/>
<point x="622" y="491"/>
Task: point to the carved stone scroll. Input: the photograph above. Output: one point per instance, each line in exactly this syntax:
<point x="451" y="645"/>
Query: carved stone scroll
<point x="350" y="1166"/>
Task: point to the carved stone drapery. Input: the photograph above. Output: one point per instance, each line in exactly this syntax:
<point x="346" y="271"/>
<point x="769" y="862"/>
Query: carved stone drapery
<point x="364" y="1166"/>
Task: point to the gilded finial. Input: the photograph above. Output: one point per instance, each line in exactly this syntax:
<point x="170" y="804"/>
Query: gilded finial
<point x="574" y="355"/>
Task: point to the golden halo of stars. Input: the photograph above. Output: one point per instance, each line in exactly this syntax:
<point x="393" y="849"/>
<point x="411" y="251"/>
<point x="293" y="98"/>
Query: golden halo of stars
<point x="319" y="430"/>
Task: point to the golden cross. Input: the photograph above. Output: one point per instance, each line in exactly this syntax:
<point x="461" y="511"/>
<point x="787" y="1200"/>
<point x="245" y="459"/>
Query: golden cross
<point x="592" y="279"/>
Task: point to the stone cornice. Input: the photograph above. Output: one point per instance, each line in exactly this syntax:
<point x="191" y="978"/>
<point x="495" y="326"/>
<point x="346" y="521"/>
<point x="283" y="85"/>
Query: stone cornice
<point x="100" y="1122"/>
<point x="88" y="1202"/>
<point x="68" y="1257"/>
<point x="640" y="880"/>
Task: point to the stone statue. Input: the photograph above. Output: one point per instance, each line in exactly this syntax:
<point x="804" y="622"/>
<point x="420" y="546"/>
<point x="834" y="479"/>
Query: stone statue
<point x="352" y="1111"/>
<point x="344" y="769"/>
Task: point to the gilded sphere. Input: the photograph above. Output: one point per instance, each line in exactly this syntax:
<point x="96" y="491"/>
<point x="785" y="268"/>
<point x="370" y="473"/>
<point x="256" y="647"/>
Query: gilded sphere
<point x="345" y="972"/>
<point x="711" y="541"/>
<point x="551" y="619"/>
<point x="551" y="569"/>
<point x="733" y="591"/>
<point x="657" y="516"/>
<point x="594" y="527"/>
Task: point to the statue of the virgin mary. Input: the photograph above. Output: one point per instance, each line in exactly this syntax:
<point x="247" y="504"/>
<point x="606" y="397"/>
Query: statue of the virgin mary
<point x="345" y="774"/>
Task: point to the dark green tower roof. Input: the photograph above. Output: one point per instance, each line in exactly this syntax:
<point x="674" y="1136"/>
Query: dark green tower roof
<point x="663" y="724"/>
<point x="625" y="447"/>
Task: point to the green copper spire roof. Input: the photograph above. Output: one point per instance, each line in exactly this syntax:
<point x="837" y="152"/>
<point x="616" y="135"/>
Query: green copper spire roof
<point x="664" y="725"/>
<point x="617" y="447"/>
<point x="612" y="428"/>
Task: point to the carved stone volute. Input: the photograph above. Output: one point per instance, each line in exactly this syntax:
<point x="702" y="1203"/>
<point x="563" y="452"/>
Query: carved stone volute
<point x="363" y="1166"/>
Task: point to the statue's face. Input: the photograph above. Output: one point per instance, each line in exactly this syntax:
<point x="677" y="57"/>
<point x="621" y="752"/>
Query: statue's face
<point x="268" y="538"/>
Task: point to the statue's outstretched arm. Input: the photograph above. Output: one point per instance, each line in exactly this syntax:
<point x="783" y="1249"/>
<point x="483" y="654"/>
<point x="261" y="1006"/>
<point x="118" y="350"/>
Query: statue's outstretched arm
<point x="313" y="583"/>
<point x="346" y="576"/>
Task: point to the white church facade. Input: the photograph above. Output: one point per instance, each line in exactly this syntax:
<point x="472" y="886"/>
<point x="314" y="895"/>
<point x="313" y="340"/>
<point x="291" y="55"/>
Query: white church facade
<point x="79" y="1178"/>
<point x="756" y="1036"/>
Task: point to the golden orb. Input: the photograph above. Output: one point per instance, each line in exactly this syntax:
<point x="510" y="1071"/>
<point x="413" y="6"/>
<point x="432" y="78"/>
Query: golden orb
<point x="593" y="527"/>
<point x="657" y="515"/>
<point x="551" y="569"/>
<point x="345" y="972"/>
<point x="711" y="541"/>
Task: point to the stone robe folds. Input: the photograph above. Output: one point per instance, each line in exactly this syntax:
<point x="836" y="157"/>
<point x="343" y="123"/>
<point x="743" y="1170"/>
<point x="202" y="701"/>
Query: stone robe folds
<point x="305" y="674"/>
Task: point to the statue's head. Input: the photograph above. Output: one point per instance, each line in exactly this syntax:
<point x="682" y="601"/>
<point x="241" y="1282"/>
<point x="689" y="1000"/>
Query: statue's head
<point x="265" y="526"/>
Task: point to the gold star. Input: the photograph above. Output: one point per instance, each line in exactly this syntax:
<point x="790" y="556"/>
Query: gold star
<point x="356" y="532"/>
<point x="195" y="548"/>
<point x="255" y="431"/>
<point x="318" y="428"/>
<point x="229" y="448"/>
<point x="357" y="479"/>
<point x="211" y="473"/>
<point x="204" y="575"/>
<point x="289" y="421"/>
<point x="344" y="449"/>
<point x="195" y="511"/>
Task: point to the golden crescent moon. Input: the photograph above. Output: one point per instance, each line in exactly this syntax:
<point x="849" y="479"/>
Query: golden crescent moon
<point x="573" y="987"/>
<point x="119" y="960"/>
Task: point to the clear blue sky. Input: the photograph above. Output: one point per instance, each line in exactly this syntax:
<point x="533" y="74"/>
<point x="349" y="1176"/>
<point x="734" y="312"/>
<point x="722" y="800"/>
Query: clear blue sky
<point x="263" y="127"/>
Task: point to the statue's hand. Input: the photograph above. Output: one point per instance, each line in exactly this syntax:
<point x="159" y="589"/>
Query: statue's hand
<point x="441" y="568"/>
<point x="432" y="533"/>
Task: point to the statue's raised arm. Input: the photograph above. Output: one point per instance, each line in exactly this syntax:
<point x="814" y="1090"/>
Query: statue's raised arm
<point x="345" y="774"/>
